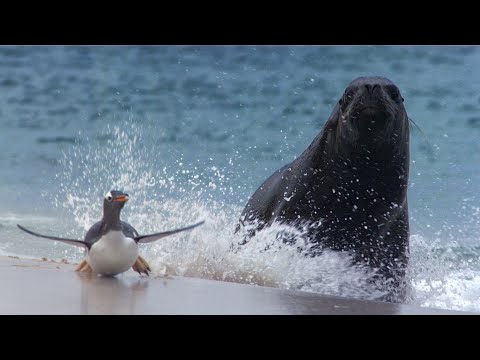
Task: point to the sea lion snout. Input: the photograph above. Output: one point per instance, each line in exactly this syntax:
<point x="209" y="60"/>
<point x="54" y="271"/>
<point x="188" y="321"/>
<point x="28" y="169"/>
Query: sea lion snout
<point x="371" y="88"/>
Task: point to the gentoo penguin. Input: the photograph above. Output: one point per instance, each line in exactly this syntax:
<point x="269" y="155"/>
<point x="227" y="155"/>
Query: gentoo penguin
<point x="112" y="244"/>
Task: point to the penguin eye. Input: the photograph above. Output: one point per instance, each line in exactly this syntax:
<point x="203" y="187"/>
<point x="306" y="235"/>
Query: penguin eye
<point x="109" y="198"/>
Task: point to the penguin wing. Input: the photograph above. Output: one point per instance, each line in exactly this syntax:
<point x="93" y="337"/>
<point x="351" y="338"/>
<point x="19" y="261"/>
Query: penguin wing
<point x="67" y="241"/>
<point x="154" y="237"/>
<point x="129" y="230"/>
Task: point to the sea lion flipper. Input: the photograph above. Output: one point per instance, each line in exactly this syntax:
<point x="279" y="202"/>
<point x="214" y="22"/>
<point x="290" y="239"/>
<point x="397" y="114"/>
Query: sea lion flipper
<point x="154" y="237"/>
<point x="67" y="241"/>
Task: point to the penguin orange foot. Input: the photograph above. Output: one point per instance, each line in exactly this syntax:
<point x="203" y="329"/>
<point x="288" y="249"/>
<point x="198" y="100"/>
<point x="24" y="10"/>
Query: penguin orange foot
<point x="141" y="266"/>
<point x="84" y="267"/>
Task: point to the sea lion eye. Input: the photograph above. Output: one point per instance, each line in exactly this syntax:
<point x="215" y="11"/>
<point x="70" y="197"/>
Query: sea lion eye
<point x="349" y="92"/>
<point x="394" y="92"/>
<point x="347" y="96"/>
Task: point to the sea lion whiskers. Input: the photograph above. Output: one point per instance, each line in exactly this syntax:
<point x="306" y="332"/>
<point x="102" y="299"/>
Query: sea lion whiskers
<point x="412" y="124"/>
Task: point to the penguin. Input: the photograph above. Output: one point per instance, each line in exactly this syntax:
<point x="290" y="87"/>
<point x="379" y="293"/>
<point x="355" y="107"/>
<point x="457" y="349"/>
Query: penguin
<point x="112" y="244"/>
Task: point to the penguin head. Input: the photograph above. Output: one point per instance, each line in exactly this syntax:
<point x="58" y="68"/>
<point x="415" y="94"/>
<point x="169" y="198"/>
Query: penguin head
<point x="114" y="201"/>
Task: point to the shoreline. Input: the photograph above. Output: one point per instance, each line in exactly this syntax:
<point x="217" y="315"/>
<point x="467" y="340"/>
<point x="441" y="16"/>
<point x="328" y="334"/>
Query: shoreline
<point x="42" y="286"/>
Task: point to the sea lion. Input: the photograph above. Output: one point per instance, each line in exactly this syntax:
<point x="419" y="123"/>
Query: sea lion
<point x="350" y="184"/>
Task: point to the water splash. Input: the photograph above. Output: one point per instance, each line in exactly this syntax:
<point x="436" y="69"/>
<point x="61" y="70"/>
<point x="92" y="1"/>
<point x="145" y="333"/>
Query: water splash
<point x="445" y="276"/>
<point x="265" y="260"/>
<point x="164" y="197"/>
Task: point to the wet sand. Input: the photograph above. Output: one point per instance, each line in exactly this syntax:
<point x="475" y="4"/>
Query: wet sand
<point x="45" y="287"/>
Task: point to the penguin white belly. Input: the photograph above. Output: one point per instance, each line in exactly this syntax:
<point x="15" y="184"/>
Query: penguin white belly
<point x="112" y="254"/>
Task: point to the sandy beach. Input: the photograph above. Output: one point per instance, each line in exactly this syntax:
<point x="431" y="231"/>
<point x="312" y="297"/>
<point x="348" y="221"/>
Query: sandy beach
<point x="47" y="287"/>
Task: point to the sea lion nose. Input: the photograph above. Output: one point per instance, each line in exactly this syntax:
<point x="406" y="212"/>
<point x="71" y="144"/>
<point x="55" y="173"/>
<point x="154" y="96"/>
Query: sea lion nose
<point x="370" y="88"/>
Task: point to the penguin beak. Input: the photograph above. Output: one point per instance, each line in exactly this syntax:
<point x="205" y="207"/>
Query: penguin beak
<point x="121" y="198"/>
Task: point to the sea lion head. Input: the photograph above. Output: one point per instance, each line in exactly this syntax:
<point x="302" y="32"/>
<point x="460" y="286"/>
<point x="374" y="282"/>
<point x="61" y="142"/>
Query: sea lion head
<point x="371" y="113"/>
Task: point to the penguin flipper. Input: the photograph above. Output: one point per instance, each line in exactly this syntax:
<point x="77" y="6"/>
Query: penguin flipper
<point x="67" y="241"/>
<point x="154" y="237"/>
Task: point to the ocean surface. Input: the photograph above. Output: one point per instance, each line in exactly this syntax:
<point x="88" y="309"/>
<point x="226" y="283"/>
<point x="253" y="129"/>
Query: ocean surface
<point x="190" y="132"/>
